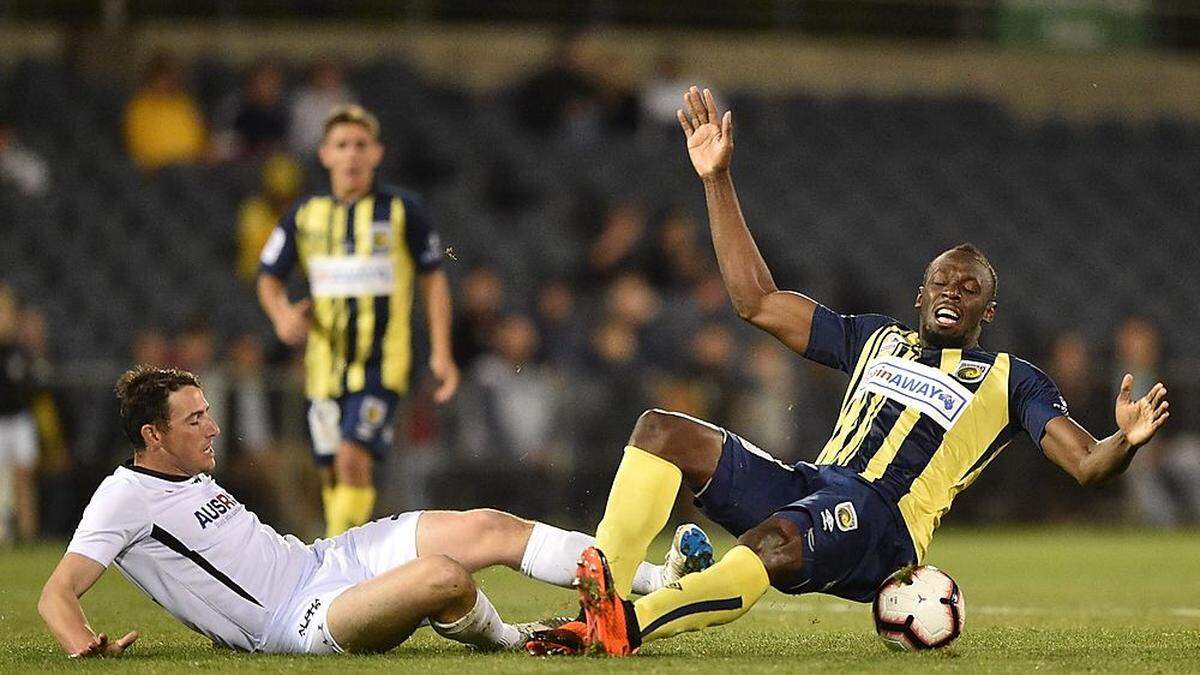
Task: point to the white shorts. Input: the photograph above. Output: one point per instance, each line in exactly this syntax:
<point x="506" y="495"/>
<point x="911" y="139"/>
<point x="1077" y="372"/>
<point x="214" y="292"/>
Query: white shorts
<point x="18" y="440"/>
<point x="352" y="557"/>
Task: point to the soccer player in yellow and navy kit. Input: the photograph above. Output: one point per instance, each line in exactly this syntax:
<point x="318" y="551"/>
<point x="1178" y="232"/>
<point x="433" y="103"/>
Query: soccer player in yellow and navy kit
<point x="924" y="413"/>
<point x="365" y="249"/>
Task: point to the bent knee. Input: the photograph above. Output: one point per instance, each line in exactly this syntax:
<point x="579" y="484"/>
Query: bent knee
<point x="670" y="435"/>
<point x="779" y="543"/>
<point x="445" y="577"/>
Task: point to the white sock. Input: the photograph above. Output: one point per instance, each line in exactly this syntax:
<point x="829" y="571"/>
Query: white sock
<point x="552" y="554"/>
<point x="481" y="627"/>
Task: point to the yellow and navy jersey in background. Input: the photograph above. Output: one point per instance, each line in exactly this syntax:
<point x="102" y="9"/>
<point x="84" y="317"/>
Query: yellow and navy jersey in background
<point x="920" y="424"/>
<point x="361" y="260"/>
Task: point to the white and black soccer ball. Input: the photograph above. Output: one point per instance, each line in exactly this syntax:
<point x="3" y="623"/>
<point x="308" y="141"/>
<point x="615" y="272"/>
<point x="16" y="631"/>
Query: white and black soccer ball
<point x="919" y="608"/>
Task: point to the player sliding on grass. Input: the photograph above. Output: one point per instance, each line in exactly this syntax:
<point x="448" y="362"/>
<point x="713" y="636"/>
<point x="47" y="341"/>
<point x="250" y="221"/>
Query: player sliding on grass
<point x="208" y="561"/>
<point x="924" y="413"/>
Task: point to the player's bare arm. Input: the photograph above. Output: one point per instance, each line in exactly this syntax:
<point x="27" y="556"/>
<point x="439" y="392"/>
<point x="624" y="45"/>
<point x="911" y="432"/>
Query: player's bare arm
<point x="756" y="298"/>
<point x="60" y="609"/>
<point x="291" y="320"/>
<point x="1091" y="461"/>
<point x="435" y="291"/>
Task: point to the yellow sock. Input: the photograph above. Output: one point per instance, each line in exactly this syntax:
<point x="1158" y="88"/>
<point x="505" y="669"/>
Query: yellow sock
<point x="715" y="596"/>
<point x="349" y="506"/>
<point x="639" y="505"/>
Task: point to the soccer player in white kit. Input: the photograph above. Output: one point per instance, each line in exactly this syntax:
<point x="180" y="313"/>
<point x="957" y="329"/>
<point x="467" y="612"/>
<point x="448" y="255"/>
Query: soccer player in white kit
<point x="201" y="555"/>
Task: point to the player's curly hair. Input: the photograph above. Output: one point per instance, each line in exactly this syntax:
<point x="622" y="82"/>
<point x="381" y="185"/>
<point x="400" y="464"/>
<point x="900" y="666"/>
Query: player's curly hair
<point x="143" y="392"/>
<point x="975" y="252"/>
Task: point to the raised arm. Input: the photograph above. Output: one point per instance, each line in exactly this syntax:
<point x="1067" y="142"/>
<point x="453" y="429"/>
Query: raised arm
<point x="756" y="298"/>
<point x="1091" y="461"/>
<point x="435" y="291"/>
<point x="60" y="609"/>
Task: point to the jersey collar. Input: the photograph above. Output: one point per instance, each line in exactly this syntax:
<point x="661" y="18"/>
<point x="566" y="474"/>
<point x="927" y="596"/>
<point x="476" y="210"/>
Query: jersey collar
<point x="157" y="474"/>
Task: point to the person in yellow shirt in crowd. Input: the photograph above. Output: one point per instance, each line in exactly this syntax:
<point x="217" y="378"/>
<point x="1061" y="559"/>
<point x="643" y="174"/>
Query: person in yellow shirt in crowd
<point x="259" y="213"/>
<point x="163" y="122"/>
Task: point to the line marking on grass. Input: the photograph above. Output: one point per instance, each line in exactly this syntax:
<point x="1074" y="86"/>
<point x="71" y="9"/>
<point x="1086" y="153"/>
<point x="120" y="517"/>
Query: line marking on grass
<point x="1186" y="611"/>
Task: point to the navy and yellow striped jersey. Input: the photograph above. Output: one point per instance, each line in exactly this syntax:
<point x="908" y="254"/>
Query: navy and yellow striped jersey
<point x="361" y="260"/>
<point x="920" y="424"/>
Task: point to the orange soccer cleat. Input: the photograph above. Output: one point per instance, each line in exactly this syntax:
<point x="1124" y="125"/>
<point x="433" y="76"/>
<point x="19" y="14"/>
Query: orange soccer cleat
<point x="611" y="625"/>
<point x="569" y="639"/>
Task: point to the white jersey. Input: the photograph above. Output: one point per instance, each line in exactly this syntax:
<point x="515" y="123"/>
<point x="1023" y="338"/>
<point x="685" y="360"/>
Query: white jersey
<point x="195" y="550"/>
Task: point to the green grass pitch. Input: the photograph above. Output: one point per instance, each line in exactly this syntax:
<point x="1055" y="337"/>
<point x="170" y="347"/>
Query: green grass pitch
<point x="1052" y="600"/>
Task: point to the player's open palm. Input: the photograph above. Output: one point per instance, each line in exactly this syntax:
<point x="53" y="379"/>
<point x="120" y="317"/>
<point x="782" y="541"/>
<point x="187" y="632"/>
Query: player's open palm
<point x="709" y="137"/>
<point x="1140" y="419"/>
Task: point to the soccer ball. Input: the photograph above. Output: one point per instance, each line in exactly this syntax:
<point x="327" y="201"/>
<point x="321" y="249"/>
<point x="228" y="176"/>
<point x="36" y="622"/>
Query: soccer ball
<point x="919" y="608"/>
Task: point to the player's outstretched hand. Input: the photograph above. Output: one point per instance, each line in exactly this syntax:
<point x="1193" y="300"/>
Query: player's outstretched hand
<point x="445" y="370"/>
<point x="100" y="646"/>
<point x="709" y="136"/>
<point x="1140" y="419"/>
<point x="292" y="325"/>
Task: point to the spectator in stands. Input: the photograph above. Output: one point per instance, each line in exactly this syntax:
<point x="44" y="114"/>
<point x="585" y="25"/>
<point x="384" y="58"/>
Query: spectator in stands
<point x="18" y="431"/>
<point x="21" y="166"/>
<point x="678" y="261"/>
<point x="259" y="213"/>
<point x="195" y="351"/>
<point x="660" y="93"/>
<point x="482" y="303"/>
<point x="620" y="245"/>
<point x="163" y="122"/>
<point x="564" y="95"/>
<point x="256" y="466"/>
<point x="768" y="400"/>
<point x="325" y="90"/>
<point x="703" y="384"/>
<point x="1072" y="367"/>
<point x="254" y="122"/>
<point x="564" y="335"/>
<point x="1138" y="350"/>
<point x="54" y="458"/>
<point x="512" y="415"/>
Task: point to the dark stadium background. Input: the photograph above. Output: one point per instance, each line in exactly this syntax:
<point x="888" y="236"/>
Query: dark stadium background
<point x="1062" y="138"/>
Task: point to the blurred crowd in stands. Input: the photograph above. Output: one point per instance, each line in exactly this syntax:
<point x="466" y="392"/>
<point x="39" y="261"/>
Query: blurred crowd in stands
<point x="555" y="374"/>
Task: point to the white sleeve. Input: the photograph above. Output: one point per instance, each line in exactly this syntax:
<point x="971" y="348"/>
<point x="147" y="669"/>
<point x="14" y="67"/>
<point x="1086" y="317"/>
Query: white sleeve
<point x="114" y="518"/>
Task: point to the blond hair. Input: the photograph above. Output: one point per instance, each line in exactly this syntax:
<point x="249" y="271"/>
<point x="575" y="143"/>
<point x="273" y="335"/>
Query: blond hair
<point x="352" y="114"/>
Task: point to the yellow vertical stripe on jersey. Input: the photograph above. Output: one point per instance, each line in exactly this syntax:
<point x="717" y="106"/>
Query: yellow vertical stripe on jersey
<point x="875" y="403"/>
<point x="891" y="445"/>
<point x="895" y="438"/>
<point x="397" y="339"/>
<point x="983" y="419"/>
<point x="341" y="214"/>
<point x="356" y="371"/>
<point x="312" y="238"/>
<point x="851" y="406"/>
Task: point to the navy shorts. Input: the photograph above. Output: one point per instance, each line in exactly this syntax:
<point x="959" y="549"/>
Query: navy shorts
<point x="854" y="539"/>
<point x="365" y="417"/>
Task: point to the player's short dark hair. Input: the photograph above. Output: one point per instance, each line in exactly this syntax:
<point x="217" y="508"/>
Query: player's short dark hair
<point x="143" y="393"/>
<point x="975" y="252"/>
<point x="352" y="114"/>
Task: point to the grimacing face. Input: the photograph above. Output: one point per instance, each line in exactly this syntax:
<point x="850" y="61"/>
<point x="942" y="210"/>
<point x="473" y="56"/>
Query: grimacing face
<point x="351" y="156"/>
<point x="955" y="301"/>
<point x="187" y="443"/>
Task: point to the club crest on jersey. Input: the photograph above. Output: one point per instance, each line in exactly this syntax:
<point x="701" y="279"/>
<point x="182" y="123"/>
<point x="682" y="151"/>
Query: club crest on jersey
<point x="936" y="394"/>
<point x="381" y="236"/>
<point x="845" y="516"/>
<point x="971" y="372"/>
